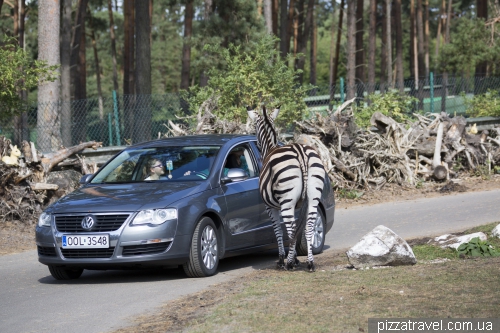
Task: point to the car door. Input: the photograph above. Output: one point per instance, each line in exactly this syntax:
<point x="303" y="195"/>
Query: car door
<point x="244" y="206"/>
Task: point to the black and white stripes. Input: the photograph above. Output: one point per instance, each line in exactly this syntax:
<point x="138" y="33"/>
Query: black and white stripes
<point x="293" y="176"/>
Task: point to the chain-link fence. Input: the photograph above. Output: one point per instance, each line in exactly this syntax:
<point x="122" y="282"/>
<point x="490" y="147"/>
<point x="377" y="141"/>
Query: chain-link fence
<point x="120" y="120"/>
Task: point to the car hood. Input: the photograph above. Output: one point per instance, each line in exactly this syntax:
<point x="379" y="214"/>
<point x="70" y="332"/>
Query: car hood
<point x="126" y="197"/>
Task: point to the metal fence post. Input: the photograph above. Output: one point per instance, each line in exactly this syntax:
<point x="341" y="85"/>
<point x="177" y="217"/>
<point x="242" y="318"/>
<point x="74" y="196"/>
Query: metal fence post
<point x="431" y="78"/>
<point x="117" y="124"/>
<point x="341" y="90"/>
<point x="110" y="129"/>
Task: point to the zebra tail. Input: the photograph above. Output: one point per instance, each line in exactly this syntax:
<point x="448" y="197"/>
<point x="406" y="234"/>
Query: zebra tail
<point x="302" y="218"/>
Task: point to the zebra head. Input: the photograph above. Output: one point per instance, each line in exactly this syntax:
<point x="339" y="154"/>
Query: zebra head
<point x="267" y="137"/>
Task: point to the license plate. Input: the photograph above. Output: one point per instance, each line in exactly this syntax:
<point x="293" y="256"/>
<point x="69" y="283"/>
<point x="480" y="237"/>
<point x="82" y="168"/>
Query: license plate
<point x="85" y="241"/>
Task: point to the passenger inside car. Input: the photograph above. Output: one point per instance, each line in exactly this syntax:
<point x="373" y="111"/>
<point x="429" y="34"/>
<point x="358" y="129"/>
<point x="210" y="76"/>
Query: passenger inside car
<point x="155" y="169"/>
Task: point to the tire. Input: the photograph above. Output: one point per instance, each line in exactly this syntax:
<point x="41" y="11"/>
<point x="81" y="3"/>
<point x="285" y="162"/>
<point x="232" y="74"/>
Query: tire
<point x="60" y="273"/>
<point x="318" y="240"/>
<point x="204" y="252"/>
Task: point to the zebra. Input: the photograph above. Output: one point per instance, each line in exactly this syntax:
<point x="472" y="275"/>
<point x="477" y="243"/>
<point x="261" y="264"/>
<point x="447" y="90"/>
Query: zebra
<point x="292" y="176"/>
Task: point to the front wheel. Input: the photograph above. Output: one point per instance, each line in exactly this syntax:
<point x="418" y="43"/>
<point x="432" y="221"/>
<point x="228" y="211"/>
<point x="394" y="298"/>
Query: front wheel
<point x="60" y="273"/>
<point x="204" y="252"/>
<point x="318" y="237"/>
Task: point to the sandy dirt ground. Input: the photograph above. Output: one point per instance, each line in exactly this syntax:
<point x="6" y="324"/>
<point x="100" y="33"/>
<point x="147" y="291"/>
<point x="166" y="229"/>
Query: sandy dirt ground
<point x="16" y="237"/>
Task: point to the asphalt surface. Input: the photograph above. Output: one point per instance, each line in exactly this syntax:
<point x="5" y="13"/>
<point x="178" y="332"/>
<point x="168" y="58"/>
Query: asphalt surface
<point x="100" y="301"/>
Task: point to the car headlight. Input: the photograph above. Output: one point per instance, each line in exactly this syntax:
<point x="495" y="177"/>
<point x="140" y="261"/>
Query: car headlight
<point x="154" y="216"/>
<point x="44" y="220"/>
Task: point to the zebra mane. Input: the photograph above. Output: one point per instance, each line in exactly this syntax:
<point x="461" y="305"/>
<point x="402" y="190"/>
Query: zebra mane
<point x="268" y="137"/>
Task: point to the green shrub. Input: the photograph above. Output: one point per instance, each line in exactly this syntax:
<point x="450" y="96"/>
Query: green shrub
<point x="477" y="248"/>
<point x="252" y="77"/>
<point x="392" y="104"/>
<point x="483" y="105"/>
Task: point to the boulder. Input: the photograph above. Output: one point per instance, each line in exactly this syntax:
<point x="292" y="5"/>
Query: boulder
<point x="496" y="231"/>
<point x="453" y="241"/>
<point x="381" y="247"/>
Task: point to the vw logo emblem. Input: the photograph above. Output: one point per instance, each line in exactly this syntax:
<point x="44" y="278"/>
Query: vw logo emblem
<point x="88" y="222"/>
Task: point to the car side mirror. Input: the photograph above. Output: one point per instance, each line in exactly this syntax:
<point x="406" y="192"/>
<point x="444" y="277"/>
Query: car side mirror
<point x="85" y="179"/>
<point x="234" y="175"/>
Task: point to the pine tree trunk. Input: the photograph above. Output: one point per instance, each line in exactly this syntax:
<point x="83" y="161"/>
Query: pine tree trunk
<point x="337" y="47"/>
<point x="351" y="48"/>
<point x="186" y="47"/>
<point x="268" y="16"/>
<point x="206" y="16"/>
<point x="372" y="46"/>
<point x="97" y="69"/>
<point x="142" y="116"/>
<point x="426" y="38"/>
<point x="113" y="45"/>
<point x="314" y="51"/>
<point x="48" y="126"/>
<point x="438" y="35"/>
<point x="128" y="68"/>
<point x="66" y="73"/>
<point x="420" y="36"/>
<point x="482" y="13"/>
<point x="304" y="35"/>
<point x="399" y="46"/>
<point x="389" y="43"/>
<point x="284" y="40"/>
<point x="360" y="53"/>
<point x="275" y="14"/>
<point x="444" y="88"/>
<point x="383" y="49"/>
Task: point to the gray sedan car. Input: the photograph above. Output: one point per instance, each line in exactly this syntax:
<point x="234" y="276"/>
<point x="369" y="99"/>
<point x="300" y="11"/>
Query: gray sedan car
<point x="187" y="201"/>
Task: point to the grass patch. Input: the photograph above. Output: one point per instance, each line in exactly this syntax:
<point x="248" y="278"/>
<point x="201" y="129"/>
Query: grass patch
<point x="431" y="252"/>
<point x="336" y="299"/>
<point x="342" y="301"/>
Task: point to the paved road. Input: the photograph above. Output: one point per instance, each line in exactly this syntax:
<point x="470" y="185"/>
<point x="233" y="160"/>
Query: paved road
<point x="32" y="301"/>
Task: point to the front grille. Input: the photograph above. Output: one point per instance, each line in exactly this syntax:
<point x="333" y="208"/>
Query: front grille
<point x="47" y="251"/>
<point x="137" y="250"/>
<point x="87" y="253"/>
<point x="104" y="223"/>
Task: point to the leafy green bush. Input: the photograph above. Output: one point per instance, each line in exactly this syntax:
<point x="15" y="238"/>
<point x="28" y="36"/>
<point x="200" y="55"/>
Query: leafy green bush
<point x="17" y="73"/>
<point x="254" y="77"/>
<point x="483" y="105"/>
<point x="392" y="104"/>
<point x="477" y="248"/>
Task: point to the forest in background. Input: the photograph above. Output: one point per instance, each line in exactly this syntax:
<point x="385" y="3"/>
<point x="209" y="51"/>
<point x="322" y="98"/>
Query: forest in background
<point x="152" y="47"/>
<point x="179" y="29"/>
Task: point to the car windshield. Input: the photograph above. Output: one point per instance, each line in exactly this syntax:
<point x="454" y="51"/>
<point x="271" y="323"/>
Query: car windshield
<point x="177" y="163"/>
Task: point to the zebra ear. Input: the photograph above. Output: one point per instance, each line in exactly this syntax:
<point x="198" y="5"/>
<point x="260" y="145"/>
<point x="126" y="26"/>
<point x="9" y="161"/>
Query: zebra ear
<point x="275" y="113"/>
<point x="251" y="113"/>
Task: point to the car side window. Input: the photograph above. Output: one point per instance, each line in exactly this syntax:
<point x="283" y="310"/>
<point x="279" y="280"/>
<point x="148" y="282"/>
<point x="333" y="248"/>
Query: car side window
<point x="241" y="157"/>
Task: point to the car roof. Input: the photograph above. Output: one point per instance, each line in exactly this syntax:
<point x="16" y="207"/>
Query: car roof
<point x="210" y="139"/>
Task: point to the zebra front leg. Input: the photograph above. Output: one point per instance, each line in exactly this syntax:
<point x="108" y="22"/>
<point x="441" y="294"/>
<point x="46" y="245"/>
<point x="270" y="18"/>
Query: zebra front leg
<point x="275" y="218"/>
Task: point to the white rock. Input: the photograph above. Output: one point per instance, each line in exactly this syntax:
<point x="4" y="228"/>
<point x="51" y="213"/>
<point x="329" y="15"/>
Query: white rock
<point x="381" y="247"/>
<point x="454" y="242"/>
<point x="496" y="231"/>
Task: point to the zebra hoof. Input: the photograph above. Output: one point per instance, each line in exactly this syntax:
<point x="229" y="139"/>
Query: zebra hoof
<point x="297" y="262"/>
<point x="281" y="262"/>
<point x="311" y="266"/>
<point x="289" y="266"/>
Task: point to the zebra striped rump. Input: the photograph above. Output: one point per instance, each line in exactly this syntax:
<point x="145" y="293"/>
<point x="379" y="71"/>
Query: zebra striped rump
<point x="293" y="176"/>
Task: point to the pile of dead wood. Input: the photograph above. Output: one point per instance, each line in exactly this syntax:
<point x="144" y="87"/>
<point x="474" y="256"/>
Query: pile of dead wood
<point x="434" y="146"/>
<point x="28" y="182"/>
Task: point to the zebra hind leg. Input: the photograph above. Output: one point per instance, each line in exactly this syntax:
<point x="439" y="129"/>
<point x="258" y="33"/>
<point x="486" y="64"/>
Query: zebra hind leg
<point x="309" y="235"/>
<point x="275" y="218"/>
